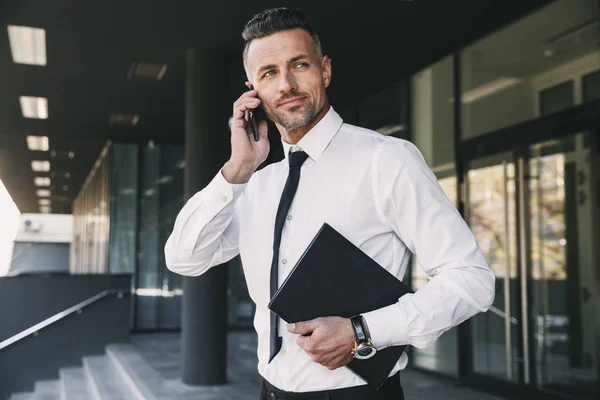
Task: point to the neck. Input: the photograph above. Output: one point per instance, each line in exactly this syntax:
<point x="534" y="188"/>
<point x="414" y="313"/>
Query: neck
<point x="293" y="137"/>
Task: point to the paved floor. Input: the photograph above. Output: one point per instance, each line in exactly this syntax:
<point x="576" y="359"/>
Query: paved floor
<point x="163" y="352"/>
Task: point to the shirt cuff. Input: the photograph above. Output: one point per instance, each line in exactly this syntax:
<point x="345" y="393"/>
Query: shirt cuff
<point x="227" y="191"/>
<point x="388" y="326"/>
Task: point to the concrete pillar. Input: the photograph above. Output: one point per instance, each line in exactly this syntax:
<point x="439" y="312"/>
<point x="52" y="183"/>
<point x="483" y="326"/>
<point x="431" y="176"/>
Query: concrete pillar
<point x="207" y="147"/>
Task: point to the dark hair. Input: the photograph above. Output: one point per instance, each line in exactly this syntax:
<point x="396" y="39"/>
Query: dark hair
<point x="274" y="20"/>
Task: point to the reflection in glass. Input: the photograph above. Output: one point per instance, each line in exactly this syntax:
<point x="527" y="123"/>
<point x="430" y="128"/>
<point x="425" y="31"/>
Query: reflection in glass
<point x="547" y="213"/>
<point x="561" y="269"/>
<point x="158" y="293"/>
<point x="123" y="208"/>
<point x="591" y="86"/>
<point x="557" y="98"/>
<point x="91" y="220"/>
<point x="502" y="73"/>
<point x="491" y="215"/>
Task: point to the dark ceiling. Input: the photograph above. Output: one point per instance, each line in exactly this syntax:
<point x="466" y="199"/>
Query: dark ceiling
<point x="91" y="45"/>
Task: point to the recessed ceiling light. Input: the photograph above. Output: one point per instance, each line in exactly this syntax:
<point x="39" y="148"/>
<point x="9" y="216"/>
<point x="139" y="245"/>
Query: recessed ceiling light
<point x="65" y="187"/>
<point x="27" y="45"/>
<point x="71" y="155"/>
<point x="34" y="107"/>
<point x="141" y="70"/>
<point x="45" y="209"/>
<point x="41" y="181"/>
<point x="44" y="202"/>
<point x="40" y="166"/>
<point x="38" y="143"/>
<point x="67" y="175"/>
<point x="42" y="193"/>
<point x="124" y="119"/>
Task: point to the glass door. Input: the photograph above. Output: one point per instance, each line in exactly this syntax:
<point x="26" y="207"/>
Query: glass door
<point x="560" y="259"/>
<point x="491" y="213"/>
<point x="531" y="211"/>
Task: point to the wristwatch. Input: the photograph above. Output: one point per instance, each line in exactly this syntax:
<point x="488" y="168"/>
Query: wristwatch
<point x="363" y="348"/>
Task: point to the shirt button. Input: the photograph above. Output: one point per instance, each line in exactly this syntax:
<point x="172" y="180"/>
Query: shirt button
<point x="273" y="396"/>
<point x="289" y="217"/>
<point x="282" y="352"/>
<point x="284" y="261"/>
<point x="224" y="198"/>
<point x="390" y="345"/>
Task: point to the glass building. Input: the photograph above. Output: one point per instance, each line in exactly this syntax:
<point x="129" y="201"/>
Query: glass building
<point x="122" y="219"/>
<point x="508" y="122"/>
<point x="520" y="169"/>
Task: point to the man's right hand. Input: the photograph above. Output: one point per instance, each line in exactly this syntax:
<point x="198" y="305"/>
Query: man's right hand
<point x="246" y="154"/>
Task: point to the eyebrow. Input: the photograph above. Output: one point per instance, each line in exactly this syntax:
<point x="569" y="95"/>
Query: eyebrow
<point x="290" y="61"/>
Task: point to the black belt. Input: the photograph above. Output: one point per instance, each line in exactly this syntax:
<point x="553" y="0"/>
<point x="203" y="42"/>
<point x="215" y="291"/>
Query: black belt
<point x="391" y="390"/>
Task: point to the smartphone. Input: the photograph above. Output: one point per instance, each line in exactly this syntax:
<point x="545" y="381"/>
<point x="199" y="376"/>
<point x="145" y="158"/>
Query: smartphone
<point x="252" y="118"/>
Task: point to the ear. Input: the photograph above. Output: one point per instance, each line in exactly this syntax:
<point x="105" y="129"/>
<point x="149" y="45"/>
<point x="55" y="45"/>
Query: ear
<point x="249" y="85"/>
<point x="326" y="68"/>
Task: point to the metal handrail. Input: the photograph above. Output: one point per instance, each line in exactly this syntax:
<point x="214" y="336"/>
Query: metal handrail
<point x="33" y="330"/>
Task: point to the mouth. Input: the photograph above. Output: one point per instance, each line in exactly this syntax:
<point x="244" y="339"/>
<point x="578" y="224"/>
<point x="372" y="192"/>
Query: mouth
<point x="292" y="102"/>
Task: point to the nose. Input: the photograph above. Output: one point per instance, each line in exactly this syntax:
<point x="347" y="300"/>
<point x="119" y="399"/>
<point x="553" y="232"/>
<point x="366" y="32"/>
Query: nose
<point x="287" y="83"/>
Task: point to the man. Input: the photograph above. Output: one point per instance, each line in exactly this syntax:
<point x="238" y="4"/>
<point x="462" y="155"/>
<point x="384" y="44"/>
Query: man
<point x="375" y="190"/>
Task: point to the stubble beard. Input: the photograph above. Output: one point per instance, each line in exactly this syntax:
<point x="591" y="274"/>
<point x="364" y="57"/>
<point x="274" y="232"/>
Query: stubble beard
<point x="296" y="117"/>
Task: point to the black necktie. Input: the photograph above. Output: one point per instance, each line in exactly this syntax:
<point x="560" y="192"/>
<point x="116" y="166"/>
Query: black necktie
<point x="296" y="160"/>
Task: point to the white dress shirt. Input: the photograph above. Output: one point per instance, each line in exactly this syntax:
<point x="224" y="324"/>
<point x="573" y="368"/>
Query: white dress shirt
<point x="379" y="193"/>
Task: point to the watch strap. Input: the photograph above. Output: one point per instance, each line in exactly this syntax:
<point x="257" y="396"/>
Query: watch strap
<point x="359" y="330"/>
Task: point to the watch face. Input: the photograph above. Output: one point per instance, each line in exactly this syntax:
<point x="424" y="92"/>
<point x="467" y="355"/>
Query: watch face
<point x="364" y="352"/>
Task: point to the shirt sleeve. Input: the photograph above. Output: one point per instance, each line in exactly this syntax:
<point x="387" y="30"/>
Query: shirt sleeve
<point x="206" y="231"/>
<point x="411" y="201"/>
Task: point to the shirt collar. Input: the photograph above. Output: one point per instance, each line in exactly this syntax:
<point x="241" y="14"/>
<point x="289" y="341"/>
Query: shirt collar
<point x="318" y="138"/>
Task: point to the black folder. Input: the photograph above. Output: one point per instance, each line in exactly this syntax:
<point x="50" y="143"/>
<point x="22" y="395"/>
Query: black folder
<point x="335" y="278"/>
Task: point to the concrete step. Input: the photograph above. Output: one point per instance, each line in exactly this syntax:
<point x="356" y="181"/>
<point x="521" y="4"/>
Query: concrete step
<point x="46" y="390"/>
<point x="102" y="380"/>
<point x="73" y="384"/>
<point x="22" y="396"/>
<point x="143" y="382"/>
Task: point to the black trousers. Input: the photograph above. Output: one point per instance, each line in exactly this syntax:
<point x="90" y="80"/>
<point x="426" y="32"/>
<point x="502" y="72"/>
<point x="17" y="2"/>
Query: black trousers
<point x="391" y="390"/>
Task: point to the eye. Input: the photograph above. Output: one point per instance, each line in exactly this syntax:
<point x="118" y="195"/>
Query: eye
<point x="268" y="73"/>
<point x="302" y="65"/>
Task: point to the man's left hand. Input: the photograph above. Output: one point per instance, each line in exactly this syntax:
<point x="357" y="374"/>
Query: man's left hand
<point x="330" y="343"/>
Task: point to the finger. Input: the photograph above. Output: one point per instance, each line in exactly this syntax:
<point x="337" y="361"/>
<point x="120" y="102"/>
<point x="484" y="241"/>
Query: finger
<point x="249" y="93"/>
<point x="243" y="105"/>
<point x="338" y="362"/>
<point x="325" y="361"/>
<point x="241" y="110"/>
<point x="263" y="130"/>
<point x="304" y="342"/>
<point x="332" y="362"/>
<point x="303" y="327"/>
